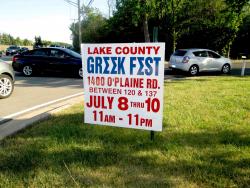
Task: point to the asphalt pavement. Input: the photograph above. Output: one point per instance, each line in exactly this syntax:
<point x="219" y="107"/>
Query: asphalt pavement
<point x="33" y="91"/>
<point x="6" y="58"/>
<point x="236" y="71"/>
<point x="36" y="98"/>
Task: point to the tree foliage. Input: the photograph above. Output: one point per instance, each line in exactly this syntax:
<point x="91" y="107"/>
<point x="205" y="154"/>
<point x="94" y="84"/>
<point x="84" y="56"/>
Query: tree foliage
<point x="38" y="42"/>
<point x="7" y="39"/>
<point x="213" y="24"/>
<point x="91" y="25"/>
<point x="141" y="11"/>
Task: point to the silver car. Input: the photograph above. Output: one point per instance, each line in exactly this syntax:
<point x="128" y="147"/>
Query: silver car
<point x="199" y="60"/>
<point x="7" y="79"/>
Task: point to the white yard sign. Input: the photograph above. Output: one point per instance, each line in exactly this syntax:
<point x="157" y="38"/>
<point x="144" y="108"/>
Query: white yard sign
<point x="123" y="84"/>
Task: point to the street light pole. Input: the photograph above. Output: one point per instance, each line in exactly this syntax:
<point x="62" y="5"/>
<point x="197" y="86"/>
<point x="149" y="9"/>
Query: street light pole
<point x="79" y="23"/>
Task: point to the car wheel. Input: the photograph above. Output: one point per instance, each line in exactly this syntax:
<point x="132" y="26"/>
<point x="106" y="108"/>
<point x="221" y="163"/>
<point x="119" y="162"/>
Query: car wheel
<point x="194" y="70"/>
<point x="226" y="69"/>
<point x="6" y="86"/>
<point x="80" y="72"/>
<point x="27" y="70"/>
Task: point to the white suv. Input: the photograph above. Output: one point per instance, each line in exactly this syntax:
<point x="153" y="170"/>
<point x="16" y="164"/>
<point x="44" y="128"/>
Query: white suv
<point x="199" y="60"/>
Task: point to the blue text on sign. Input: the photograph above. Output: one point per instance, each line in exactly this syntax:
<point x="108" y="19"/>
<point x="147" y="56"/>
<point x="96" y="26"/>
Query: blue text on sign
<point x="115" y="65"/>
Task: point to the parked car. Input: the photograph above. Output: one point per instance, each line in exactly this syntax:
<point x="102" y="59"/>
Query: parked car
<point x="7" y="79"/>
<point x="59" y="60"/>
<point x="199" y="60"/>
<point x="54" y="45"/>
<point x="12" y="50"/>
<point x="23" y="49"/>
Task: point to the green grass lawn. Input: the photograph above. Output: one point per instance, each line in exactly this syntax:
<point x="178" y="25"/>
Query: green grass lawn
<point x="205" y="143"/>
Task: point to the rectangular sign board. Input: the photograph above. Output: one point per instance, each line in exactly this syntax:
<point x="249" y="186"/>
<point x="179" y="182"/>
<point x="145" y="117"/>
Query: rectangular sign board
<point x="124" y="84"/>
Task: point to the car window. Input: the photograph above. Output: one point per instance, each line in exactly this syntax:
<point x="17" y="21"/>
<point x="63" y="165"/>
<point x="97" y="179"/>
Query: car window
<point x="180" y="52"/>
<point x="58" y="53"/>
<point x="28" y="52"/>
<point x="39" y="52"/>
<point x="213" y="55"/>
<point x="72" y="53"/>
<point x="200" y="53"/>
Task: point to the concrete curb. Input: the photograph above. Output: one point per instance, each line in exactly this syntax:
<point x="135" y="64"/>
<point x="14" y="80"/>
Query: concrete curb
<point x="21" y="122"/>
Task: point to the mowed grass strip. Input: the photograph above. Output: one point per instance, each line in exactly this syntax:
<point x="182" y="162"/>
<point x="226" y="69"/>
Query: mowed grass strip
<point x="205" y="143"/>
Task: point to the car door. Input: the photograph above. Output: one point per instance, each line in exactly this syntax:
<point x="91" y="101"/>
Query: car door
<point x="202" y="59"/>
<point x="38" y="59"/>
<point x="215" y="64"/>
<point x="60" y="61"/>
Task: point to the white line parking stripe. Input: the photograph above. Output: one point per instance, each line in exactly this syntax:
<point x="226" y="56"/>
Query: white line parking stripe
<point x="38" y="106"/>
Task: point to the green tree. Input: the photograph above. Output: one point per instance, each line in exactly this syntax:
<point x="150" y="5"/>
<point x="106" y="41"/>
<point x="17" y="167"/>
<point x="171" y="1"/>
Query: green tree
<point x="27" y="42"/>
<point x="213" y="24"/>
<point x="38" y="42"/>
<point x="92" y="24"/>
<point x="197" y="23"/>
<point x="18" y="41"/>
<point x="234" y="19"/>
<point x="174" y="10"/>
<point x="142" y="11"/>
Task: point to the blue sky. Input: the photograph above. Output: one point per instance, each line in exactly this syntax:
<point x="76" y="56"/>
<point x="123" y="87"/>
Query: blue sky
<point x="49" y="19"/>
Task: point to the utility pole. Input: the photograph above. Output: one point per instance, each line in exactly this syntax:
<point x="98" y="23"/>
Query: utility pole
<point x="78" y="6"/>
<point x="79" y="23"/>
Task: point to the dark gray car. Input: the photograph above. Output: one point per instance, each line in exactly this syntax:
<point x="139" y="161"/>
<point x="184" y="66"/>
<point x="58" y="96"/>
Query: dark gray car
<point x="7" y="79"/>
<point x="12" y="50"/>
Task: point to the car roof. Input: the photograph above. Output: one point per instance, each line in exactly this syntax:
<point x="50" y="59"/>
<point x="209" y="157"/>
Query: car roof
<point x="59" y="48"/>
<point x="195" y="49"/>
<point x="13" y="46"/>
<point x="50" y="48"/>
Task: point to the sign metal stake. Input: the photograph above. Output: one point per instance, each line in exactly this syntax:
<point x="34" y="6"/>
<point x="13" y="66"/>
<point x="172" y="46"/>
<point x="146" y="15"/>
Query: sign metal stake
<point x="155" y="39"/>
<point x="152" y="135"/>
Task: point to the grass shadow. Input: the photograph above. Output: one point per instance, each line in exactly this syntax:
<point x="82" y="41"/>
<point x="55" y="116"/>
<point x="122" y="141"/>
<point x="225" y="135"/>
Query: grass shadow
<point x="97" y="147"/>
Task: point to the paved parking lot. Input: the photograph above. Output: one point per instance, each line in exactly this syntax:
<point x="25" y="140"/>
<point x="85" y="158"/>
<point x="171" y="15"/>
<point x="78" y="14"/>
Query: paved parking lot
<point x="236" y="71"/>
<point x="32" y="91"/>
<point x="6" y="58"/>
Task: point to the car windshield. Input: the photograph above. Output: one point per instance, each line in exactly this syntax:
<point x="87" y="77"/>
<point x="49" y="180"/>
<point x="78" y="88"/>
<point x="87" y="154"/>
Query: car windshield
<point x="74" y="54"/>
<point x="12" y="47"/>
<point x="180" y="52"/>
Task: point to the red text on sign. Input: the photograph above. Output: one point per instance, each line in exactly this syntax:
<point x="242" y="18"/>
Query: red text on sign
<point x="102" y="102"/>
<point x="100" y="50"/>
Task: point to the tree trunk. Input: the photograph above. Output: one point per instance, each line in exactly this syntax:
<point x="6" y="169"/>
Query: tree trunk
<point x="145" y="29"/>
<point x="174" y="34"/>
<point x="228" y="51"/>
<point x="174" y="40"/>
